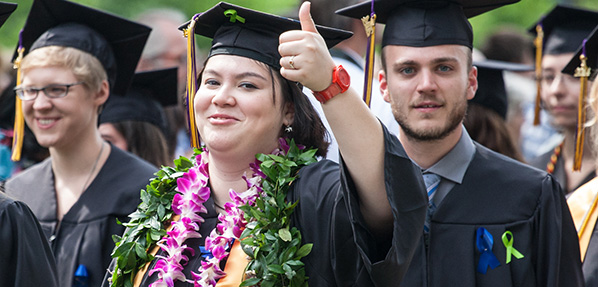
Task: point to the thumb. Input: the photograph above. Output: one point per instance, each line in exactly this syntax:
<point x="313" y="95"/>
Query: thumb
<point x="307" y="23"/>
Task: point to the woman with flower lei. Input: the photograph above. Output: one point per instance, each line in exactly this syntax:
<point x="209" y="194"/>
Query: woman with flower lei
<point x="284" y="218"/>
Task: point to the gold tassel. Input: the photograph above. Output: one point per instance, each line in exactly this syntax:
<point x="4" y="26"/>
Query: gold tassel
<point x="538" y="42"/>
<point x="582" y="72"/>
<point x="369" y="23"/>
<point x="189" y="33"/>
<point x="19" y="127"/>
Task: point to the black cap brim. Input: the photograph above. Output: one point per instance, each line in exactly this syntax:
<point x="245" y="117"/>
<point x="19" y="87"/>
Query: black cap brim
<point x="591" y="51"/>
<point x="425" y="23"/>
<point x="149" y="93"/>
<point x="257" y="37"/>
<point x="491" y="91"/>
<point x="384" y="9"/>
<point x="5" y="10"/>
<point x="125" y="38"/>
<point x="565" y="27"/>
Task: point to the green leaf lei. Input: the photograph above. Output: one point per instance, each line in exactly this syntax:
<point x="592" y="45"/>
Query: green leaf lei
<point x="272" y="244"/>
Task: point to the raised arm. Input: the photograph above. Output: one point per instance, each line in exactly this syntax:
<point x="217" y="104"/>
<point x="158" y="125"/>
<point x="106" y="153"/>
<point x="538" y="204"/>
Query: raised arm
<point x="358" y="133"/>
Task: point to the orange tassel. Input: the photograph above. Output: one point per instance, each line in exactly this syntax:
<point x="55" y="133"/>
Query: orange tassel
<point x="539" y="47"/>
<point x="19" y="126"/>
<point x="369" y="24"/>
<point x="189" y="32"/>
<point x="582" y="72"/>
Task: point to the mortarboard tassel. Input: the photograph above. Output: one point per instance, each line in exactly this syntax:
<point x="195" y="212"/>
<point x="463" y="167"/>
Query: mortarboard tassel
<point x="538" y="42"/>
<point x="19" y="126"/>
<point x="369" y="23"/>
<point x="189" y="32"/>
<point x="583" y="73"/>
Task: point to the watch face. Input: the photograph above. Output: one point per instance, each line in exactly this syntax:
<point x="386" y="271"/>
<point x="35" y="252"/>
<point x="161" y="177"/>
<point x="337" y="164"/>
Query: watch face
<point x="344" y="80"/>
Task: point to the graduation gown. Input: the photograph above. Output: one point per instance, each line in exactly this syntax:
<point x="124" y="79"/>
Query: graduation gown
<point x="499" y="194"/>
<point x="581" y="205"/>
<point x="84" y="236"/>
<point x="25" y="257"/>
<point x="344" y="252"/>
<point x="559" y="169"/>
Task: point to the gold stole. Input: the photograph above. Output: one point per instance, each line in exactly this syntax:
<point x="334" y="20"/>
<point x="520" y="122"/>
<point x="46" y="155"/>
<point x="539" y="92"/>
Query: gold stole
<point x="584" y="210"/>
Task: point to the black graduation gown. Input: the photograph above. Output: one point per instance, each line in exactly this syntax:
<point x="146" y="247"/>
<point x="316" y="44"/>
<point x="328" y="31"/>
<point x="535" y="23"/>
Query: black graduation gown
<point x="590" y="263"/>
<point x="500" y="194"/>
<point x="25" y="257"/>
<point x="324" y="218"/>
<point x="85" y="234"/>
<point x="542" y="160"/>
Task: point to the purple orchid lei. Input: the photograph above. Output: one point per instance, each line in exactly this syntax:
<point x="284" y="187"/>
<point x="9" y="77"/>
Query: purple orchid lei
<point x="189" y="203"/>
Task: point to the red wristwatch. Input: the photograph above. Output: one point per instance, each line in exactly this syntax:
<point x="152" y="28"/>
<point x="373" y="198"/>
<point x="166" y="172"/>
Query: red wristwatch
<point x="340" y="83"/>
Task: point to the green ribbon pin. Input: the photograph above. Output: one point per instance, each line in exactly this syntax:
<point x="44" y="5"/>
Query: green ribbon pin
<point x="508" y="242"/>
<point x="232" y="14"/>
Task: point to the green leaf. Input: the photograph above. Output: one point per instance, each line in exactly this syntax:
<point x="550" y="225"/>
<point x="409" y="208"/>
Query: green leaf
<point x="284" y="234"/>
<point x="304" y="250"/>
<point x="251" y="282"/>
<point x="276" y="269"/>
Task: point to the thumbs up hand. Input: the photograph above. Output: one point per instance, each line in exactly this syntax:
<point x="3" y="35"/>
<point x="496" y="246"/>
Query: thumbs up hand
<point x="305" y="56"/>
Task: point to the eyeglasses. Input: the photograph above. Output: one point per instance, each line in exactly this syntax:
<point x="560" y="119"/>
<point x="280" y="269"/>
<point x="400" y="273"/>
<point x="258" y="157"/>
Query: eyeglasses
<point x="53" y="91"/>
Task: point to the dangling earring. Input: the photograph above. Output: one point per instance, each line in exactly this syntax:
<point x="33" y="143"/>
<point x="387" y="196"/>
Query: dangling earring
<point x="288" y="129"/>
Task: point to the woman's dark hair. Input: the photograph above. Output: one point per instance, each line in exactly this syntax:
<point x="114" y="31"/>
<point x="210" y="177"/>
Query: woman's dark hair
<point x="487" y="128"/>
<point x="308" y="129"/>
<point x="145" y="140"/>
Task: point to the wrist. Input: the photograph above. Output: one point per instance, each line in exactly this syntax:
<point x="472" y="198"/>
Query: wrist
<point x="340" y="83"/>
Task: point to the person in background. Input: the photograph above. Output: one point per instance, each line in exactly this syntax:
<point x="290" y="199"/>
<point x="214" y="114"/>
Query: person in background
<point x="492" y="221"/>
<point x="564" y="29"/>
<point x="25" y="257"/>
<point x="487" y="111"/>
<point x="249" y="101"/>
<point x="74" y="58"/>
<point x="166" y="48"/>
<point x="351" y="54"/>
<point x="583" y="201"/>
<point x="137" y="122"/>
<point x="510" y="45"/>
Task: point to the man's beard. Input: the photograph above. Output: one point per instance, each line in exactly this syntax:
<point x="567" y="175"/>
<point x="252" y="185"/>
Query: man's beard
<point x="437" y="133"/>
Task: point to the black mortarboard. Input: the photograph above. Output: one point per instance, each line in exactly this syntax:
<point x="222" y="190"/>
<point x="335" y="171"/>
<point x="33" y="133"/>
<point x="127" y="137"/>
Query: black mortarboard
<point x="150" y="91"/>
<point x="590" y="49"/>
<point x="115" y="41"/>
<point x="422" y="23"/>
<point x="491" y="91"/>
<point x="236" y="30"/>
<point x="565" y="27"/>
<point x="5" y="10"/>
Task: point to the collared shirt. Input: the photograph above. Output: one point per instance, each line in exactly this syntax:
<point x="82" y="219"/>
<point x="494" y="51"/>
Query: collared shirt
<point x="451" y="168"/>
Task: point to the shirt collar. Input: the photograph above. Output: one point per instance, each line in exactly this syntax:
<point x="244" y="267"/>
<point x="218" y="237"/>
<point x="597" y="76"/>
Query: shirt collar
<point x="454" y="164"/>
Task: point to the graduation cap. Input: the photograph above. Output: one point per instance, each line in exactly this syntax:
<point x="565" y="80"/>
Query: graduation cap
<point x="116" y="42"/>
<point x="239" y="31"/>
<point x="5" y="10"/>
<point x="558" y="32"/>
<point x="491" y="91"/>
<point x="583" y="65"/>
<point x="144" y="101"/>
<point x="423" y="23"/>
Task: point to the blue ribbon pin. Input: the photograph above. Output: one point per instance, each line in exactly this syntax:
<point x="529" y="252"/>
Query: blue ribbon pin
<point x="484" y="243"/>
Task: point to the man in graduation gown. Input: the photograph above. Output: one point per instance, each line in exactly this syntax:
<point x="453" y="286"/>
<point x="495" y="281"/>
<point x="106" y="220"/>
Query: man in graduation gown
<point x="25" y="257"/>
<point x="492" y="221"/>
